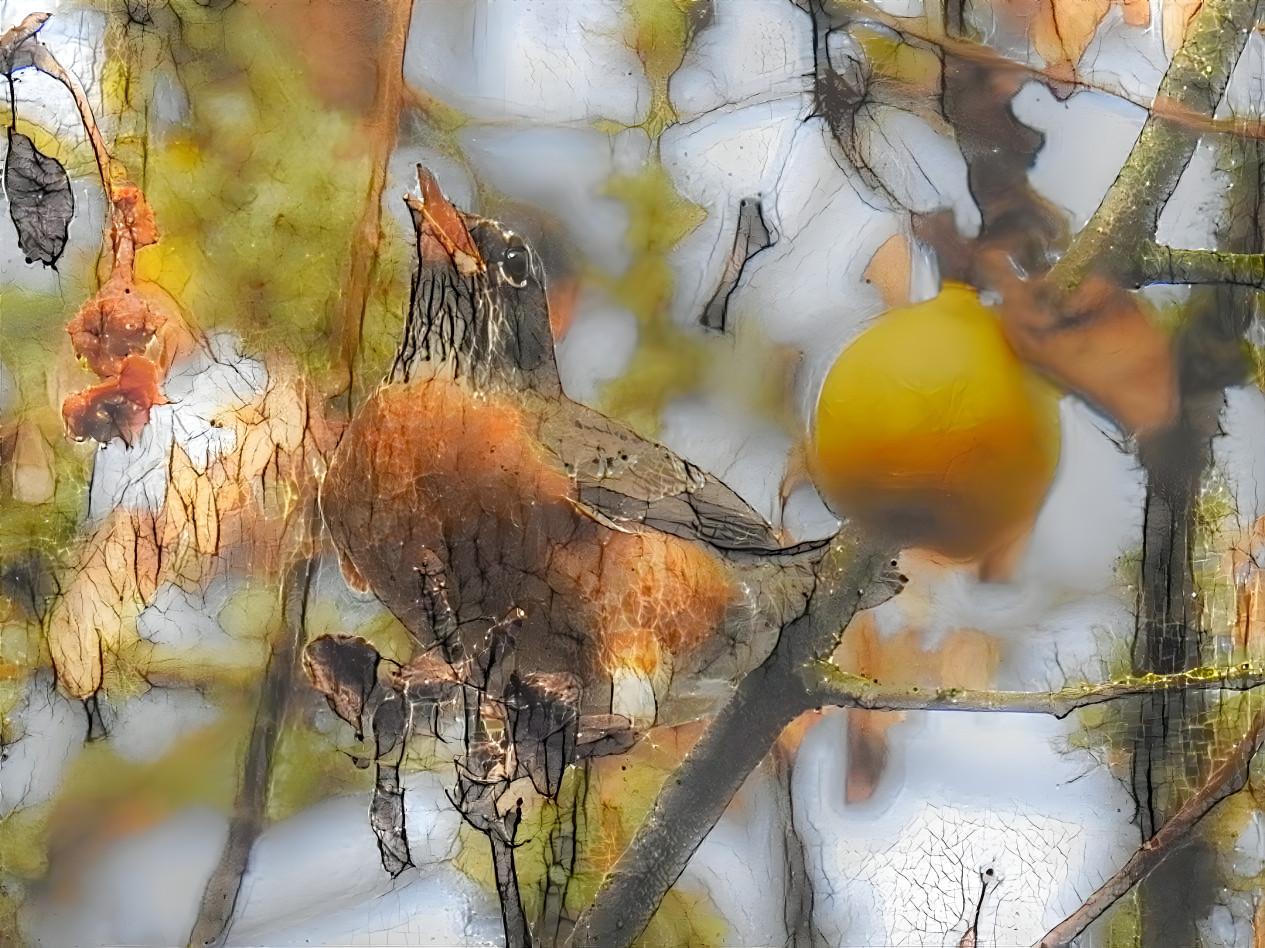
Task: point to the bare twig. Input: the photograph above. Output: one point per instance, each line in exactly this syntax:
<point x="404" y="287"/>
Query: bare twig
<point x="45" y="62"/>
<point x="1227" y="778"/>
<point x="831" y="685"/>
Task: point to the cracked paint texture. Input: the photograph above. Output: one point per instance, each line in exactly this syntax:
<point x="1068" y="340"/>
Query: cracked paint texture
<point x="293" y="655"/>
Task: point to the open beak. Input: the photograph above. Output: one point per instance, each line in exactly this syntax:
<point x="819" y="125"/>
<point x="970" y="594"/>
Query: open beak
<point x="441" y="228"/>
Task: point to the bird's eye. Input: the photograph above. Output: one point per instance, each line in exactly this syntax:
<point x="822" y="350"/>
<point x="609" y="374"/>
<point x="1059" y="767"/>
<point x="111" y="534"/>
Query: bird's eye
<point x="514" y="264"/>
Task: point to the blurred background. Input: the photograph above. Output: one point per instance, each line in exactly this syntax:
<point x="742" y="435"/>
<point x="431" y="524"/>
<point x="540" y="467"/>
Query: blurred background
<point x="274" y="141"/>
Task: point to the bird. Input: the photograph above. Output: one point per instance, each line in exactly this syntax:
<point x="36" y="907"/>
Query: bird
<point x="469" y="485"/>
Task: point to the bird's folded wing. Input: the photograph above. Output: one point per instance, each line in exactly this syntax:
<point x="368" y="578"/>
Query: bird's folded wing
<point x="625" y="478"/>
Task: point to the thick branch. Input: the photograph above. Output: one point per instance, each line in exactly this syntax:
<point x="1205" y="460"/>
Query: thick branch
<point x="1228" y="777"/>
<point x="1159" y="264"/>
<point x="831" y="685"/>
<point x="695" y="796"/>
<point x="1195" y="81"/>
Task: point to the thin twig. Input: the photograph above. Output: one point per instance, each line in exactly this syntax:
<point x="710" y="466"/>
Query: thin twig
<point x="45" y="62"/>
<point x="1227" y="778"/>
<point x="831" y="685"/>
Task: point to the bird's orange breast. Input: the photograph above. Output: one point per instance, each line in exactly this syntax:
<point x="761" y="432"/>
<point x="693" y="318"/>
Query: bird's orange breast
<point x="429" y="465"/>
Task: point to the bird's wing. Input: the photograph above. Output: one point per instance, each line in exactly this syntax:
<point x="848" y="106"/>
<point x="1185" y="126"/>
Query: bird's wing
<point x="627" y="479"/>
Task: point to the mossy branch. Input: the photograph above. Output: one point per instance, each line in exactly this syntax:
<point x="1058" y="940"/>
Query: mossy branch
<point x="833" y="686"/>
<point x="1227" y="778"/>
<point x="697" y="793"/>
<point x="1155" y="263"/>
<point x="1114" y="241"/>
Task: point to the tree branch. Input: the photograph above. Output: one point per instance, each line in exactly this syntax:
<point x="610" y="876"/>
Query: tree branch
<point x="1196" y="79"/>
<point x="831" y="685"/>
<point x="1227" y="778"/>
<point x="1159" y="264"/>
<point x="695" y="796"/>
<point x="219" y="898"/>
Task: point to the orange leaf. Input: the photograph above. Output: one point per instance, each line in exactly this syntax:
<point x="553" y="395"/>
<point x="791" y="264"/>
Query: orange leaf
<point x="889" y="271"/>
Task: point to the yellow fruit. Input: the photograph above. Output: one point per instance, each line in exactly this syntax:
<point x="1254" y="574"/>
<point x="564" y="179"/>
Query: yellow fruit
<point x="930" y="429"/>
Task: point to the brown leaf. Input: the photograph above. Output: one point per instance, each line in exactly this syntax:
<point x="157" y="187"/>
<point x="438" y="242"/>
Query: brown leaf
<point x="1101" y="344"/>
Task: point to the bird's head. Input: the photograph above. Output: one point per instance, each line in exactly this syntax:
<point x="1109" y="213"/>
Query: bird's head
<point x="478" y="307"/>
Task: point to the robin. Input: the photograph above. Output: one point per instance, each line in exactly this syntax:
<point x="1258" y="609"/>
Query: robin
<point x="470" y="472"/>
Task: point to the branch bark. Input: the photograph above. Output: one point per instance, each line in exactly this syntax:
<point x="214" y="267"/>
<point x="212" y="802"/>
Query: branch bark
<point x="695" y="796"/>
<point x="1195" y="82"/>
<point x="1159" y="264"/>
<point x="219" y="899"/>
<point x="830" y="685"/>
<point x="1227" y="778"/>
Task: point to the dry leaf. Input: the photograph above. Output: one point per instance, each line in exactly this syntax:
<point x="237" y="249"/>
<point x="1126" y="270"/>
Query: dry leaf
<point x="285" y="408"/>
<point x="1177" y="17"/>
<point x="1101" y="344"/>
<point x="136" y="215"/>
<point x="1245" y="562"/>
<point x="101" y="600"/>
<point x="1061" y="30"/>
<point x="34" y="479"/>
<point x="118" y="407"/>
<point x="40" y="200"/>
<point x="964" y="658"/>
<point x="118" y="321"/>
<point x="206" y="518"/>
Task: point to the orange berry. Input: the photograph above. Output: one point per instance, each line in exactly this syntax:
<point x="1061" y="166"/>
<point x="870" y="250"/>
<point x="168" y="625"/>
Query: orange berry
<point x="931" y="430"/>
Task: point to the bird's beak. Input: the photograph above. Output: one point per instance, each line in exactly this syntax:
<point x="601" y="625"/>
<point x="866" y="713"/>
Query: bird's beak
<point x="441" y="228"/>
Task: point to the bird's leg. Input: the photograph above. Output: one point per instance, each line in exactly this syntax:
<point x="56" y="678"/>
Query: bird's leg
<point x="554" y="927"/>
<point x="386" y="812"/>
<point x="482" y="779"/>
<point x="443" y="619"/>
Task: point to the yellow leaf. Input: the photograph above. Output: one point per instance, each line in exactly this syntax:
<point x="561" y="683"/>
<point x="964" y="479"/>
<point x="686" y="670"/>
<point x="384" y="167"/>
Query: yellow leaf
<point x="258" y="448"/>
<point x="286" y="409"/>
<point x="206" y="518"/>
